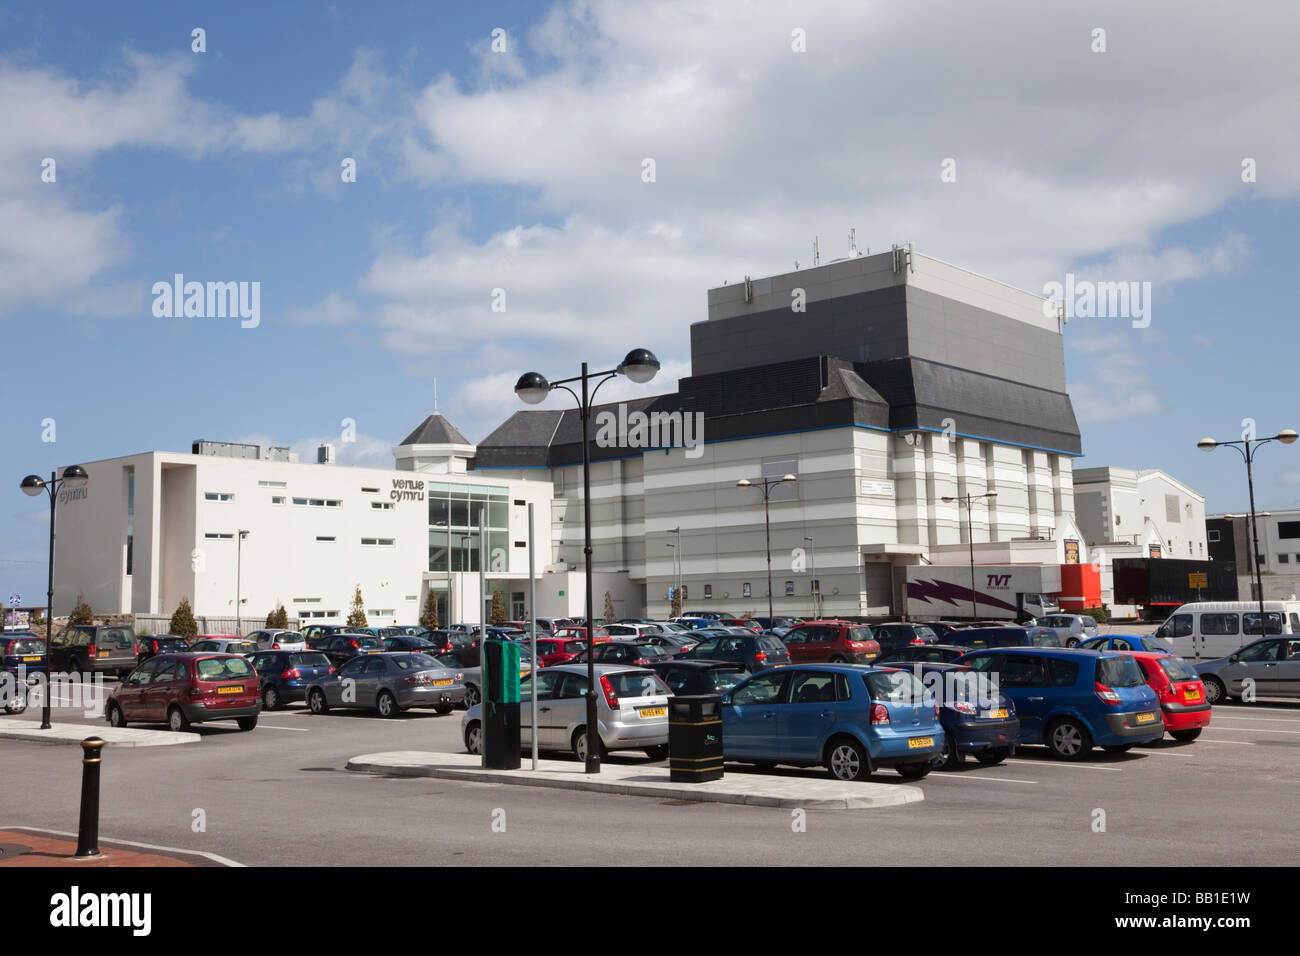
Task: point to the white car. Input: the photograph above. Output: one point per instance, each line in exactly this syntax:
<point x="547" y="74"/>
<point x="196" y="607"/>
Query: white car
<point x="632" y="630"/>
<point x="278" y="640"/>
<point x="226" y="645"/>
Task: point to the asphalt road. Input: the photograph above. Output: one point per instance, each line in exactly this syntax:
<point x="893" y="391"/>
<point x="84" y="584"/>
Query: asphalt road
<point x="279" y="796"/>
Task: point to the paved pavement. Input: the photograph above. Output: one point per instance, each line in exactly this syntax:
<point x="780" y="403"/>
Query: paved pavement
<point x="24" y="847"/>
<point x="67" y="733"/>
<point x="746" y="789"/>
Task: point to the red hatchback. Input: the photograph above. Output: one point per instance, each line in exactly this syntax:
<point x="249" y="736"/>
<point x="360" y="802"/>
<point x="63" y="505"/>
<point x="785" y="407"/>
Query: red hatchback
<point x="831" y="642"/>
<point x="1181" y="692"/>
<point x="187" y="688"/>
<point x="558" y="650"/>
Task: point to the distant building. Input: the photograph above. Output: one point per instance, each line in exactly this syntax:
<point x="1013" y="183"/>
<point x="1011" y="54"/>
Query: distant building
<point x="1228" y="537"/>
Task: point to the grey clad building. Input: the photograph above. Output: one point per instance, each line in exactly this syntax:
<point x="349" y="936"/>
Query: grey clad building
<point x="883" y="382"/>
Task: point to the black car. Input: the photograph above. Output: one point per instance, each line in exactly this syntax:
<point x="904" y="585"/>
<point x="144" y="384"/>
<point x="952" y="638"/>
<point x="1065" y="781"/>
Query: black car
<point x="420" y="645"/>
<point x="341" y="648"/>
<point x="149" y="645"/>
<point x="754" y="652"/>
<point x="675" y="644"/>
<point x="699" y="677"/>
<point x="22" y="658"/>
<point x="978" y="638"/>
<point x="891" y="637"/>
<point x="974" y="720"/>
<point x="631" y="653"/>
<point x="94" y="649"/>
<point x="924" y="653"/>
<point x="941" y="628"/>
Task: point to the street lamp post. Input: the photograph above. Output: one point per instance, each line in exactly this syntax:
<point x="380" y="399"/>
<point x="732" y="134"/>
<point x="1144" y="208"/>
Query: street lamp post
<point x="767" y="484"/>
<point x="640" y="366"/>
<point x="33" y="485"/>
<point x="1247" y="447"/>
<point x="816" y="587"/>
<point x="970" y="537"/>
<point x="239" y="570"/>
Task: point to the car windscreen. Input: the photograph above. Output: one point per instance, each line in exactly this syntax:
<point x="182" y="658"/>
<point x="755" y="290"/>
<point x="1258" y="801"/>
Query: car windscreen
<point x="308" y="660"/>
<point x="414" y="662"/>
<point x="27" y="647"/>
<point x="368" y="642"/>
<point x="172" y="644"/>
<point x="223" y="668"/>
<point x="725" y="678"/>
<point x="1178" y="669"/>
<point x="1119" y="672"/>
<point x="860" y="634"/>
<point x="894" y="686"/>
<point x="574" y="647"/>
<point x="771" y="644"/>
<point x="637" y="684"/>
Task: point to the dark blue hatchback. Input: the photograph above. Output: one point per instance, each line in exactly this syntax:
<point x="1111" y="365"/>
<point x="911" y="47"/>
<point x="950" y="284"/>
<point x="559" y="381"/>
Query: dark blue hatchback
<point x="284" y="676"/>
<point x="22" y="658"/>
<point x="976" y="720"/>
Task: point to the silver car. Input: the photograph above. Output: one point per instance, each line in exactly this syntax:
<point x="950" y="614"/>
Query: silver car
<point x="1271" y="664"/>
<point x="226" y="645"/>
<point x="388" y="682"/>
<point x="473" y="676"/>
<point x="1072" y="628"/>
<point x="631" y="711"/>
<point x="278" y="640"/>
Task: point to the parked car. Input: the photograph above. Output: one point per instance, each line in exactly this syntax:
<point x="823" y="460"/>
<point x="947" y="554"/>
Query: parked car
<point x="284" y="676"/>
<point x="941" y="628"/>
<point x="631" y="711"/>
<point x="187" y="688"/>
<point x="94" y="649"/>
<point x="229" y="644"/>
<point x="777" y="625"/>
<point x="699" y="677"/>
<point x="631" y="653"/>
<point x="746" y="622"/>
<point x="755" y="652"/>
<point x="1128" y="642"/>
<point x="313" y="633"/>
<point x="341" y="648"/>
<point x="22" y="661"/>
<point x="923" y="653"/>
<point x="1071" y="699"/>
<point x="635" y="629"/>
<point x="709" y="615"/>
<point x="673" y="642"/>
<point x="417" y="645"/>
<point x="388" y="682"/>
<point x="836" y="642"/>
<point x="558" y="650"/>
<point x="695" y="623"/>
<point x="1180" y="691"/>
<point x="1072" y="628"/>
<point x="975" y="720"/>
<point x="893" y="636"/>
<point x="1009" y="636"/>
<point x="278" y="640"/>
<point x="849" y="718"/>
<point x="580" y="633"/>
<point x="473" y="675"/>
<point x="147" y="647"/>
<point x="1272" y="664"/>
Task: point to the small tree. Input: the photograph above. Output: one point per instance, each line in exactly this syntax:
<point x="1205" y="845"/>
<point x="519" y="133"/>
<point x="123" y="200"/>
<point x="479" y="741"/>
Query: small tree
<point x="498" y="614"/>
<point x="38" y="619"/>
<point x="676" y="610"/>
<point x="279" y="618"/>
<point x="81" y="614"/>
<point x="357" y="616"/>
<point x="429" y="616"/>
<point x="611" y="616"/>
<point x="182" y="623"/>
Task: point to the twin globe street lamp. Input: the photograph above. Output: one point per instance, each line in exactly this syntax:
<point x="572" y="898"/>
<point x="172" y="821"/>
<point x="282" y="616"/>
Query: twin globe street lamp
<point x="640" y="366"/>
<point x="766" y="485"/>
<point x="970" y="537"/>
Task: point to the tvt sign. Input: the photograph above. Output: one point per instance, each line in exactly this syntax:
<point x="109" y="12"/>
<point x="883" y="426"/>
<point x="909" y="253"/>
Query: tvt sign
<point x="999" y="582"/>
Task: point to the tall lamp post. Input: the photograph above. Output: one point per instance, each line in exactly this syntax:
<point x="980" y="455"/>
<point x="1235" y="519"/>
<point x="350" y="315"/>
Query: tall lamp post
<point x="970" y="537"/>
<point x="817" y="587"/>
<point x="767" y="484"/>
<point x="1247" y="448"/>
<point x="33" y="485"/>
<point x="640" y="366"/>
<point x="239" y="578"/>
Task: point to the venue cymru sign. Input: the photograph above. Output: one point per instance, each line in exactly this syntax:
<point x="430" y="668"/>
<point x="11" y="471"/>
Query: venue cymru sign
<point x="407" y="489"/>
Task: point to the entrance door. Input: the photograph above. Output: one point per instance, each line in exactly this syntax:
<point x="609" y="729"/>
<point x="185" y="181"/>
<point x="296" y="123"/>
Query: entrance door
<point x="879" y="589"/>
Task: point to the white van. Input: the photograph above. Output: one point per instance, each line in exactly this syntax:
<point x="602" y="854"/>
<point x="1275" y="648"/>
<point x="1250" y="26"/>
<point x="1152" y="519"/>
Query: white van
<point x="1212" y="629"/>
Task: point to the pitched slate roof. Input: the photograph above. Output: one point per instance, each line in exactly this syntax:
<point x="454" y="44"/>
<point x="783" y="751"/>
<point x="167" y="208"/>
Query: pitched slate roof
<point x="436" y="430"/>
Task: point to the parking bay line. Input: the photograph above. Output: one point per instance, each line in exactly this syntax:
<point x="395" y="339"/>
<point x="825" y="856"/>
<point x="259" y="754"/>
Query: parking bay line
<point x="1070" y="766"/>
<point x="296" y="730"/>
<point x="1241" y="743"/>
<point x="1257" y="730"/>
<point x="970" y="776"/>
<point x="1269" y="720"/>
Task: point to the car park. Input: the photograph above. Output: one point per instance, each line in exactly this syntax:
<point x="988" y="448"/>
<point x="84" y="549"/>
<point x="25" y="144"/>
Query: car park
<point x="1008" y="636"/>
<point x="631" y="711"/>
<point x="941" y="628"/>
<point x="185" y="689"/>
<point x="472" y="676"/>
<point x="341" y="648"/>
<point x="1217" y="629"/>
<point x="673" y="642"/>
<point x="836" y="642"/>
<point x="1269" y="667"/>
<point x="580" y="633"/>
<point x="631" y="653"/>
<point x="94" y="649"/>
<point x="317" y="632"/>
<point x="1180" y="690"/>
<point x="285" y="676"/>
<point x="777" y="625"/>
<point x="976" y="721"/>
<point x="558" y="650"/>
<point x="744" y="622"/>
<point x="615" y="631"/>
<point x="22" y="661"/>
<point x="388" y="682"/>
<point x="755" y="652"/>
<point x="851" y="719"/>
<point x="228" y="644"/>
<point x="892" y="636"/>
<point x="149" y="645"/>
<point x="418" y="645"/>
<point x="922" y="653"/>
<point x="1071" y="628"/>
<point x="699" y="677"/>
<point x="278" y="640"/>
<point x="1072" y="700"/>
<point x="1127" y="642"/>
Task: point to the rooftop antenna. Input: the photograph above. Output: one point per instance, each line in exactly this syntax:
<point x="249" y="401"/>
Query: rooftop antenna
<point x="853" y="241"/>
<point x="817" y="256"/>
<point x="435" y="395"/>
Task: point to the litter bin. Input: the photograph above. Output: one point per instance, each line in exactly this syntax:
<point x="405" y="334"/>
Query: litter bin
<point x="501" y="704"/>
<point x="695" y="738"/>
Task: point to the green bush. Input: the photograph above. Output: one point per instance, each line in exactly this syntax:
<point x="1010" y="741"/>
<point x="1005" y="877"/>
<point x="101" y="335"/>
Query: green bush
<point x="182" y="623"/>
<point x="357" y="616"/>
<point x="81" y="614"/>
<point x="279" y="618"/>
<point x="429" y="616"/>
<point x="1099" y="614"/>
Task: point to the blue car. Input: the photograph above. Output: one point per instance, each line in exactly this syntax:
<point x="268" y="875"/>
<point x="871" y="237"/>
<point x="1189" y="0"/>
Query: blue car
<point x="983" y="725"/>
<point x="1072" y="699"/>
<point x="849" y="718"/>
<point x="285" y="676"/>
<point x="1127" y="642"/>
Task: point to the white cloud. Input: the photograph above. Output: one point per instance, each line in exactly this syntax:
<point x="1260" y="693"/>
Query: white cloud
<point x="366" y="451"/>
<point x="1093" y="405"/>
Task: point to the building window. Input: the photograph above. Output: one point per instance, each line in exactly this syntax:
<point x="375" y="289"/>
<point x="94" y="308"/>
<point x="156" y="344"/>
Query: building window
<point x="272" y="484"/>
<point x="130" y="518"/>
<point x="521" y="544"/>
<point x="322" y="537"/>
<point x="277" y="499"/>
<point x="379" y="542"/>
<point x="520" y="501"/>
<point x="384" y="612"/>
<point x="1212" y="536"/>
<point x="1284" y="559"/>
<point x="319" y="502"/>
<point x="381" y="505"/>
<point x="1288" y="529"/>
<point x="370" y="491"/>
<point x="306" y="600"/>
<point x="218" y="496"/>
<point x="214" y="534"/>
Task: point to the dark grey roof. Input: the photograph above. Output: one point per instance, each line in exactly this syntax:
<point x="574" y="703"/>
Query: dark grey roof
<point x="436" y="430"/>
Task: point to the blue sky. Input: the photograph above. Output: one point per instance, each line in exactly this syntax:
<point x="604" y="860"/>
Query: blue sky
<point x="522" y="171"/>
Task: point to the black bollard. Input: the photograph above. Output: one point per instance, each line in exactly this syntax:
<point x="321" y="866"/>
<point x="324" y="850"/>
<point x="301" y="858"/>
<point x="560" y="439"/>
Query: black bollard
<point x="88" y="826"/>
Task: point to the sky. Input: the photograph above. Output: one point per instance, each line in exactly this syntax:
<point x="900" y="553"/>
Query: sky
<point x="500" y="154"/>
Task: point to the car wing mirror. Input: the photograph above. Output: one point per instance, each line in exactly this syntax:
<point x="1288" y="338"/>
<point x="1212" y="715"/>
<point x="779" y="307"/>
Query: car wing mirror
<point x="1235" y="658"/>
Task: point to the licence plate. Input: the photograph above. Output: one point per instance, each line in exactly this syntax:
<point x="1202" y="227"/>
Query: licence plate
<point x="652" y="711"/>
<point x="1146" y="718"/>
<point x="999" y="714"/>
<point x="1191" y="695"/>
<point x="28" y="659"/>
<point x="914" y="743"/>
<point x="443" y="683"/>
<point x="103" y="653"/>
<point x="230" y="690"/>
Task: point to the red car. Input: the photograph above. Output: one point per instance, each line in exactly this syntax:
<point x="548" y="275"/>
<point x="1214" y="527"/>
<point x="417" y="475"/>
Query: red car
<point x="558" y="650"/>
<point x="602" y="635"/>
<point x="187" y="688"/>
<point x="833" y="642"/>
<point x="1181" y="692"/>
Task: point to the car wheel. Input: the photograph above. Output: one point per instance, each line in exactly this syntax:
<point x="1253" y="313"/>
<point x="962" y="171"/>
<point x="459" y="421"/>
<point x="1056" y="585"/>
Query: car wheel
<point x="992" y="755"/>
<point x="1215" y="692"/>
<point x="271" y="698"/>
<point x="837" y="659"/>
<point x="444" y="708"/>
<point x="177" y="722"/>
<point x="316" y="701"/>
<point x="914" y="771"/>
<point x="1118" y="748"/>
<point x="1186" y="735"/>
<point x="847" y="759"/>
<point x="19" y="703"/>
<point x="473" y="737"/>
<point x="1068" y="739"/>
<point x="580" y="745"/>
<point x="386" y="704"/>
<point x="246" y="723"/>
<point x="657" y="753"/>
<point x="471" y="696"/>
<point x="115" y="716"/>
<point x="952" y="755"/>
